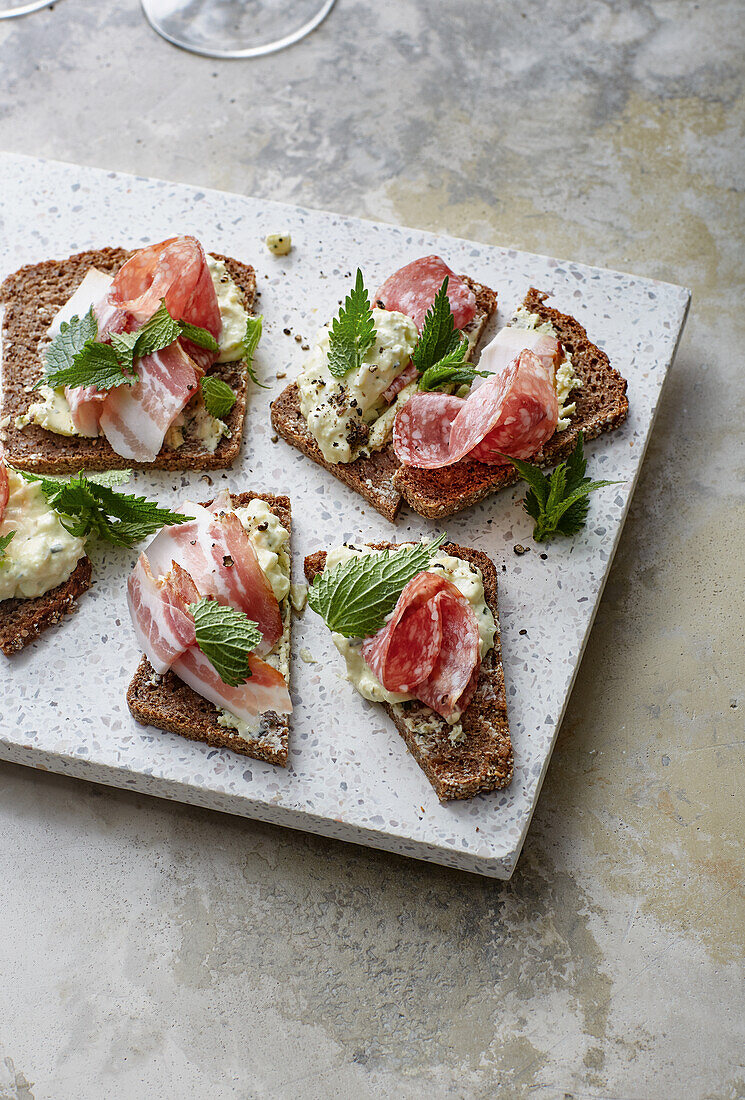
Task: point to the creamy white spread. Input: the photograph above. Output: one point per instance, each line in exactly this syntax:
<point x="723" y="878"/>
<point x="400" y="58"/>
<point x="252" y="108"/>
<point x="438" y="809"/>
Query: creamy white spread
<point x="271" y="541"/>
<point x="466" y="578"/>
<point x="41" y="554"/>
<point x="232" y="312"/>
<point x="340" y="411"/>
<point x="565" y="378"/>
<point x="53" y="410"/>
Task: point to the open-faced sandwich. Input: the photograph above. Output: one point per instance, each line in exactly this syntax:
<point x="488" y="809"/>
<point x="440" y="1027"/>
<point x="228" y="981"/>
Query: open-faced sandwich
<point x="44" y="525"/>
<point x="364" y="367"/>
<point x="418" y="627"/>
<point x="115" y="359"/>
<point x="210" y="605"/>
<point x="541" y="387"/>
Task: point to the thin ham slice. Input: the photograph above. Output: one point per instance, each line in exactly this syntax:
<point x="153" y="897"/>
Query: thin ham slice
<point x="514" y="413"/>
<point x="509" y="342"/>
<point x="412" y="289"/>
<point x="429" y="648"/>
<point x="265" y="690"/>
<point x="159" y="611"/>
<point x="135" y="419"/>
<point x="135" y="422"/>
<point x="218" y="554"/>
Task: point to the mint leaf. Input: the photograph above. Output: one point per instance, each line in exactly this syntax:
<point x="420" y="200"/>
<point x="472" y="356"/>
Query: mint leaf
<point x="5" y="541"/>
<point x="254" y="329"/>
<point x="355" y="596"/>
<point x="226" y="637"/>
<point x="86" y="508"/>
<point x="352" y="332"/>
<point x="559" y="504"/>
<point x="71" y="339"/>
<point x="218" y="396"/>
<point x="439" y="337"/>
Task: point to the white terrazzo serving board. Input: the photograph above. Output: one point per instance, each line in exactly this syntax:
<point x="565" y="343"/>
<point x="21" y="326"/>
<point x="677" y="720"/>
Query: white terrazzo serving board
<point x="62" y="701"/>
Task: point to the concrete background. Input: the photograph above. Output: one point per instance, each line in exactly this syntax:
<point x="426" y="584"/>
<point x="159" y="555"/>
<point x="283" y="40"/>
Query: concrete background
<point x="153" y="950"/>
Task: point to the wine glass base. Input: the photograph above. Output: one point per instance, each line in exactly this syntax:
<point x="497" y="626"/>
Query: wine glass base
<point x="235" y="28"/>
<point x="9" y="9"/>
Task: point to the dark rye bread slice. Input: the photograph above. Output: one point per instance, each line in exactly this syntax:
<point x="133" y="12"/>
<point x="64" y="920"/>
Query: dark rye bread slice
<point x="32" y="296"/>
<point x="21" y="621"/>
<point x="167" y="702"/>
<point x="373" y="477"/>
<point x="601" y="406"/>
<point x="482" y="760"/>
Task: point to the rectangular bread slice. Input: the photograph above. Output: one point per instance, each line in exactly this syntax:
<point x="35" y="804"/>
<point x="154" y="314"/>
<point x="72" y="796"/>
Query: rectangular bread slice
<point x="21" y="621"/>
<point x="373" y="477"/>
<point x="32" y="297"/>
<point x="482" y="759"/>
<point x="167" y="702"/>
<point x="602" y="405"/>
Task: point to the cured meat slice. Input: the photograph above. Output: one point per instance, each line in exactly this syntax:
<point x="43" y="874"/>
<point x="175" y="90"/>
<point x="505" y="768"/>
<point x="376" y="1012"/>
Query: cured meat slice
<point x="175" y="270"/>
<point x="158" y="609"/>
<point x="514" y="413"/>
<point x="421" y="430"/>
<point x="404" y="651"/>
<point x="135" y="419"/>
<point x="430" y="646"/>
<point x="409" y="374"/>
<point x="412" y="289"/>
<point x="509" y="342"/>
<point x="452" y="682"/>
<point x="218" y="554"/>
<point x="265" y="690"/>
<point x="86" y="404"/>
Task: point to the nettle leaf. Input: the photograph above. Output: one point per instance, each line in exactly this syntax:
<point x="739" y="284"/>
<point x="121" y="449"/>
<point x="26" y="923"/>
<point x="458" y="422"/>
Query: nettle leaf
<point x="355" y="596"/>
<point x="226" y="637"/>
<point x="218" y="396"/>
<point x="439" y="337"/>
<point x="352" y="332"/>
<point x="71" y="339"/>
<point x="254" y="329"/>
<point x="5" y="541"/>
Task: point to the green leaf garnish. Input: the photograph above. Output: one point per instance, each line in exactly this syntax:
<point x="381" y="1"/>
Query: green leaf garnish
<point x="218" y="396"/>
<point x="355" y="596"/>
<point x="352" y="332"/>
<point x="86" y="507"/>
<point x="199" y="336"/>
<point x="75" y="358"/>
<point x="559" y="503"/>
<point x="254" y="328"/>
<point x="157" y="333"/>
<point x="226" y="637"/>
<point x="450" y="371"/>
<point x="5" y="541"/>
<point x="439" y="337"/>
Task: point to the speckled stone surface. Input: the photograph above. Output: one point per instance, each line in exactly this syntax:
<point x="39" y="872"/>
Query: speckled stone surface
<point x="153" y="948"/>
<point x="350" y="775"/>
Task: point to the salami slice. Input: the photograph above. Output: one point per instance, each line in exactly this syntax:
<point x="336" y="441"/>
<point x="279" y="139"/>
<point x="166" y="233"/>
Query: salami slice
<point x="452" y="682"/>
<point x="404" y="651"/>
<point x="421" y="430"/>
<point x="430" y="646"/>
<point x="410" y="374"/>
<point x="412" y="289"/>
<point x="514" y="413"/>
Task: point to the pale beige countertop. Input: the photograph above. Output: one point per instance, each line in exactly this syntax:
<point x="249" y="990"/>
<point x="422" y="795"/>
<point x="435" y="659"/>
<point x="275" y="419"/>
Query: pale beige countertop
<point x="151" y="949"/>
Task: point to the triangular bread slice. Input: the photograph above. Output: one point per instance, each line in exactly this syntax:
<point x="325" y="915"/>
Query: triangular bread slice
<point x="482" y="759"/>
<point x="373" y="477"/>
<point x="32" y="296"/>
<point x="21" y="621"/>
<point x="602" y="405"/>
<point x="167" y="702"/>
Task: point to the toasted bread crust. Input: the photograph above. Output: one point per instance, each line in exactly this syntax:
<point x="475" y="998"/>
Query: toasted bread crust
<point x="21" y="621"/>
<point x="373" y="477"/>
<point x="602" y="405"/>
<point x="482" y="760"/>
<point x="168" y="703"/>
<point x="32" y="296"/>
